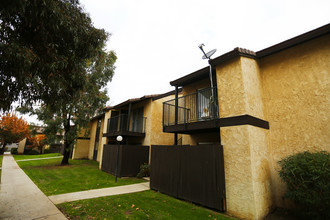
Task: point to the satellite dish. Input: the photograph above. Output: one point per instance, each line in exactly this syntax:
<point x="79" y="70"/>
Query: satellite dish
<point x="209" y="54"/>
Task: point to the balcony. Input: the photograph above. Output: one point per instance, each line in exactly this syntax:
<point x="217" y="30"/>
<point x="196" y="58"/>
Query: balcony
<point x="125" y="126"/>
<point x="195" y="112"/>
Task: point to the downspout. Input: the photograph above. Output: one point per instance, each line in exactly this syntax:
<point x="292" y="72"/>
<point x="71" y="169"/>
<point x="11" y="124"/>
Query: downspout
<point x="176" y="115"/>
<point x="211" y="80"/>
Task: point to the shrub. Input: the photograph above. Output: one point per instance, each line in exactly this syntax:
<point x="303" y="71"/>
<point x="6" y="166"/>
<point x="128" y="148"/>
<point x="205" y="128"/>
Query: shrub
<point x="32" y="152"/>
<point x="144" y="170"/>
<point x="13" y="151"/>
<point x="307" y="176"/>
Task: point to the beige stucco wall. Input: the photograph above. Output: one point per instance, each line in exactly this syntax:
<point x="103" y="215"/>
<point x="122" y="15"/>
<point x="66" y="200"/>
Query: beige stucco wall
<point x="147" y="109"/>
<point x="193" y="87"/>
<point x="81" y="146"/>
<point x="296" y="95"/>
<point x="158" y="137"/>
<point x="291" y="90"/>
<point x="84" y="148"/>
<point x="104" y="139"/>
<point x="234" y="97"/>
<point x="238" y="172"/>
<point x="93" y="125"/>
<point x="81" y="149"/>
<point x="21" y="145"/>
<point x="248" y="186"/>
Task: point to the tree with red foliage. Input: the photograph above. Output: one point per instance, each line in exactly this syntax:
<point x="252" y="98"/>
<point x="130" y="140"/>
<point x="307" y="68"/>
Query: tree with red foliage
<point x="12" y="130"/>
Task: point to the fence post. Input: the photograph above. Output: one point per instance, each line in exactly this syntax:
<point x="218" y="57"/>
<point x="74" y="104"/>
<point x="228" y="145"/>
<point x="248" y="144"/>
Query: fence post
<point x="176" y="115"/>
<point x="129" y="116"/>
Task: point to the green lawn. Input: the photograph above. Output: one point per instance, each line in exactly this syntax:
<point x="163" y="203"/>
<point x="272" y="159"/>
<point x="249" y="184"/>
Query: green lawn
<point x="80" y="175"/>
<point x="23" y="157"/>
<point x="142" y="205"/>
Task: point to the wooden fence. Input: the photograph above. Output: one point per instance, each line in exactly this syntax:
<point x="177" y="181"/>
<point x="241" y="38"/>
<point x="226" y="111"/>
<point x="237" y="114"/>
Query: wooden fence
<point x="192" y="173"/>
<point x="131" y="157"/>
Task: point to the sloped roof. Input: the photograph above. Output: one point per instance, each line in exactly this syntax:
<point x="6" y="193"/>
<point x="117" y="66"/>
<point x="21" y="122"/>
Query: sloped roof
<point x="97" y="116"/>
<point x="134" y="100"/>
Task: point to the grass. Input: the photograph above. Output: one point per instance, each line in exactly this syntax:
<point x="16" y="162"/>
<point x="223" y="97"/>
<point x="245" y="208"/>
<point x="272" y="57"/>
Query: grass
<point x="23" y="157"/>
<point x="142" y="205"/>
<point x="80" y="175"/>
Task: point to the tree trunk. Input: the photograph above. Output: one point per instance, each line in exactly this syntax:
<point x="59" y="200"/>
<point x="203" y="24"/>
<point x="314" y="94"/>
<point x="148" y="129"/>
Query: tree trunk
<point x="67" y="143"/>
<point x="66" y="155"/>
<point x="2" y="150"/>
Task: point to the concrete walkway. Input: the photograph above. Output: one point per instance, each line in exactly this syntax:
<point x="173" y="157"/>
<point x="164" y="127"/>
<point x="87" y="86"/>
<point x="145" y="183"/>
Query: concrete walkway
<point x="46" y="158"/>
<point x="95" y="193"/>
<point x="20" y="198"/>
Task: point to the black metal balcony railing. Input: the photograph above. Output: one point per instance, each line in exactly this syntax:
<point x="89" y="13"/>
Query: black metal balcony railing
<point x="120" y="123"/>
<point x="199" y="106"/>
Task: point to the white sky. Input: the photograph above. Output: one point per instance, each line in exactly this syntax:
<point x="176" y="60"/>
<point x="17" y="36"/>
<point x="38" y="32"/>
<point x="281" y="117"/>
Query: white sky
<point x="156" y="41"/>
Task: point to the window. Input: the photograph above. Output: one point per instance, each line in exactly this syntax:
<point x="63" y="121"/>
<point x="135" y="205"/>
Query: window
<point x="206" y="109"/>
<point x="137" y="120"/>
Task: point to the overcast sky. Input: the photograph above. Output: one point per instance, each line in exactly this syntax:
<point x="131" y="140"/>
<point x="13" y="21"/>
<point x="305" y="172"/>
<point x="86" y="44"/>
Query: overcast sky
<point x="156" y="41"/>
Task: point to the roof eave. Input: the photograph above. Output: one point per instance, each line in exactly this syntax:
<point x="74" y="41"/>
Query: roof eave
<point x="321" y="31"/>
<point x="237" y="52"/>
<point x="191" y="77"/>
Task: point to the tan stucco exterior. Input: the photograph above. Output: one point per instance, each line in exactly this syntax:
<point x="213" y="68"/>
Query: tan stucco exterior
<point x="81" y="148"/>
<point x="104" y="139"/>
<point x="193" y="87"/>
<point x="21" y="146"/>
<point x="291" y="90"/>
<point x="245" y="147"/>
<point x="84" y="146"/>
<point x="296" y="96"/>
<point x="157" y="136"/>
<point x="93" y="128"/>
